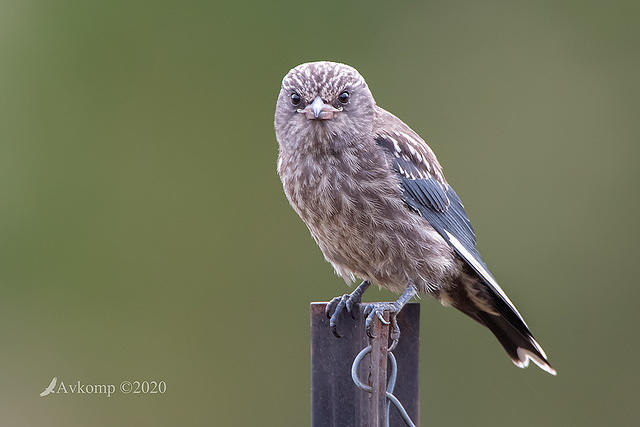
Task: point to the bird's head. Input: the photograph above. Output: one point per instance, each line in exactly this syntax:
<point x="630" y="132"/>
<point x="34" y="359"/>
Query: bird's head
<point x="324" y="101"/>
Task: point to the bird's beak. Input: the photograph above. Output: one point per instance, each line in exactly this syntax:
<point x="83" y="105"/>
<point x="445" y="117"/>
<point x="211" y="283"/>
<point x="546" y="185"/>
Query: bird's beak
<point x="319" y="110"/>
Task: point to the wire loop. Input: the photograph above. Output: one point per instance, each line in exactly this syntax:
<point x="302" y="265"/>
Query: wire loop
<point x="391" y="383"/>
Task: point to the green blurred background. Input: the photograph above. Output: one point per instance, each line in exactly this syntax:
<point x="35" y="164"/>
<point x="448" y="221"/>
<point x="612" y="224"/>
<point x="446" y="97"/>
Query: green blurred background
<point x="145" y="235"/>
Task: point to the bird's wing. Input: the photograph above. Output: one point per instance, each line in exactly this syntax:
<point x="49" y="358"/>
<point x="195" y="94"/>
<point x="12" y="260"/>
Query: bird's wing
<point x="427" y="192"/>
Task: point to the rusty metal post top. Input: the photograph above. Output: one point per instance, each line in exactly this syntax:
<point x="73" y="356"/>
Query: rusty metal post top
<point x="322" y="304"/>
<point x="336" y="400"/>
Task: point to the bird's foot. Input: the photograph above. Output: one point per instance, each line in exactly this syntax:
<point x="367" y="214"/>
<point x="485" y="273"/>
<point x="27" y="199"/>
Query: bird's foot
<point x="377" y="309"/>
<point x="347" y="301"/>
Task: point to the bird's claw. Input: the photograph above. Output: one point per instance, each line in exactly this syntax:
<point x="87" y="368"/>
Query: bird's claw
<point x="377" y="309"/>
<point x="394" y="334"/>
<point x="335" y="307"/>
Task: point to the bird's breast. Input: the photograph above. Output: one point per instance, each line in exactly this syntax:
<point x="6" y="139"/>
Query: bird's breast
<point x="341" y="187"/>
<point x="352" y="204"/>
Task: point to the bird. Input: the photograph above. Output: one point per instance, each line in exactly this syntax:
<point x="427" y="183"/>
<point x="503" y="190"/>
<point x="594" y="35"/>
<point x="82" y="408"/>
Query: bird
<point x="50" y="387"/>
<point x="375" y="200"/>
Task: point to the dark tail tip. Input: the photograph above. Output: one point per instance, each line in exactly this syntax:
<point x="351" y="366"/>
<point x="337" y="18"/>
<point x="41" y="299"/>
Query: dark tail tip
<point x="520" y="346"/>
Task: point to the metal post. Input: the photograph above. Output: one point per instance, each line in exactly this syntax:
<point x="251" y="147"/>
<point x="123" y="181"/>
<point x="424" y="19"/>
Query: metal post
<point x="335" y="400"/>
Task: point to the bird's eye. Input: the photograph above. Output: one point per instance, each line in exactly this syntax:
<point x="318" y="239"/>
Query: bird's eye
<point x="295" y="98"/>
<point x="344" y="97"/>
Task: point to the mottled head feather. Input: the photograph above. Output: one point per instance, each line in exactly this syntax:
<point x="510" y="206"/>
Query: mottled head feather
<point x="326" y="80"/>
<point x="322" y="78"/>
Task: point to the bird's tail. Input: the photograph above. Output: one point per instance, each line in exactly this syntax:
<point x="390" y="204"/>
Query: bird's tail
<point x="519" y="345"/>
<point x="489" y="309"/>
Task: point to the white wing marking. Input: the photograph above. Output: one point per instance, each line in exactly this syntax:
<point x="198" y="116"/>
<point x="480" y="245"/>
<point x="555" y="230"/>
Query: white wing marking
<point x="483" y="272"/>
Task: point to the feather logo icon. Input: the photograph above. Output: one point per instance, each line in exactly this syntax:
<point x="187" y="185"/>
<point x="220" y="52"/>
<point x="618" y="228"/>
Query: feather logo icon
<point x="50" y="387"/>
